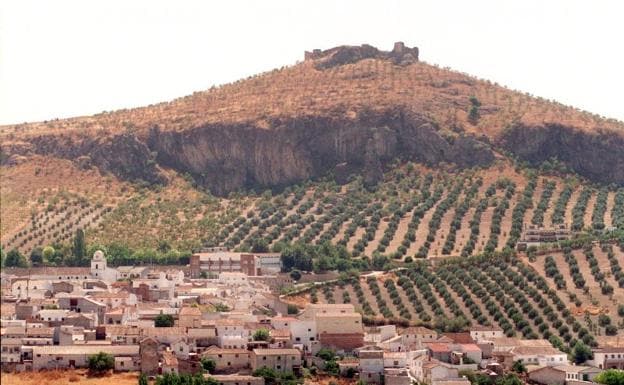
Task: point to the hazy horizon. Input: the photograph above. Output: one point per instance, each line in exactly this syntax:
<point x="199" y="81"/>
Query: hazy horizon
<point x="70" y="58"/>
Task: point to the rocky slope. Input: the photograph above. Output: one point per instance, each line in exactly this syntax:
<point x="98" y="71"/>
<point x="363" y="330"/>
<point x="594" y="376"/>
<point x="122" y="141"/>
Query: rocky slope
<point x="342" y="111"/>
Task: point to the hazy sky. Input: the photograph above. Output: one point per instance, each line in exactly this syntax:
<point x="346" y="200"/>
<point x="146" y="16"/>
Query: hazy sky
<point x="64" y="58"/>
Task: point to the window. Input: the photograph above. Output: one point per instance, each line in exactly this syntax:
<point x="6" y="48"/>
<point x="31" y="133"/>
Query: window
<point x="278" y="367"/>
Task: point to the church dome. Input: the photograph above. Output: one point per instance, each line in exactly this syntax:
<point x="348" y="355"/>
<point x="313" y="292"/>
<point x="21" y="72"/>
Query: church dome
<point x="98" y="255"/>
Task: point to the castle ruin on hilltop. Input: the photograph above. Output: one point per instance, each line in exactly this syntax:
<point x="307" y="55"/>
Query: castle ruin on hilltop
<point x="400" y="55"/>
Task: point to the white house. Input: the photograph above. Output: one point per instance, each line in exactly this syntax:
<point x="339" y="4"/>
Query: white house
<point x="539" y="355"/>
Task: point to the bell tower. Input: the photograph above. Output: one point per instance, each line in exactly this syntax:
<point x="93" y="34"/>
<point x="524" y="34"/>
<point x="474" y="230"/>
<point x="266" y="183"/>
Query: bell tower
<point x="98" y="264"/>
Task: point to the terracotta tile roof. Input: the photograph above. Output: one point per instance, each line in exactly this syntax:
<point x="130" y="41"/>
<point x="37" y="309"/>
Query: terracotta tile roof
<point x="273" y="352"/>
<point x="418" y="330"/>
<point x="438" y="347"/>
<point x="460" y="338"/>
<point x="480" y="328"/>
<point x="169" y="359"/>
<point x="229" y="322"/>
<point x="190" y="310"/>
<point x="217" y="350"/>
<point x="87" y="349"/>
<point x="470" y="348"/>
<point x="535" y="350"/>
<point x="276" y="333"/>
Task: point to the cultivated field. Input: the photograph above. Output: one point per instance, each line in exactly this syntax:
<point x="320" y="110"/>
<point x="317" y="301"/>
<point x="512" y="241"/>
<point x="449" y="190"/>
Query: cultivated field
<point x="415" y="213"/>
<point x="522" y="297"/>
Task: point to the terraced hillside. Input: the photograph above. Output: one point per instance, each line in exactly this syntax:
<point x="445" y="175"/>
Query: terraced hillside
<point x="416" y="212"/>
<point x="524" y="298"/>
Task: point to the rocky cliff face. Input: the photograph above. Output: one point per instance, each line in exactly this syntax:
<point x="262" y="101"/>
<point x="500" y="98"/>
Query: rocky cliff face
<point x="228" y="158"/>
<point x="123" y="155"/>
<point x="599" y="157"/>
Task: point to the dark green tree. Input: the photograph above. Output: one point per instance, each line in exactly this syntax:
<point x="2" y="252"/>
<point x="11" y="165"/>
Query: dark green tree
<point x="581" y="353"/>
<point x="143" y="379"/>
<point x="295" y="275"/>
<point x="80" y="247"/>
<point x="270" y="375"/>
<point x="100" y="363"/>
<point x="261" y="335"/>
<point x="15" y="259"/>
<point x="208" y="364"/>
<point x="518" y="367"/>
<point x="36" y="256"/>
<point x="163" y="321"/>
<point x="259" y="245"/>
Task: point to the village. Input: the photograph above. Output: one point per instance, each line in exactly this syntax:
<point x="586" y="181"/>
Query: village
<point x="222" y="315"/>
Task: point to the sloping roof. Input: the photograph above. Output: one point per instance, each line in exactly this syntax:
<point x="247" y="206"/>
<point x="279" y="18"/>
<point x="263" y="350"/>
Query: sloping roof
<point x="470" y="348"/>
<point x="418" y="330"/>
<point x="87" y="349"/>
<point x="190" y="310"/>
<point x="169" y="359"/>
<point x="535" y="350"/>
<point x="217" y="350"/>
<point x="438" y="347"/>
<point x="273" y="352"/>
<point x="481" y="328"/>
<point x="460" y="338"/>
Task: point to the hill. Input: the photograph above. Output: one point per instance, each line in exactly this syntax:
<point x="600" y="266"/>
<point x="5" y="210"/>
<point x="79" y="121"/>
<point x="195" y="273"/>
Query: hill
<point x="375" y="151"/>
<point x="341" y="111"/>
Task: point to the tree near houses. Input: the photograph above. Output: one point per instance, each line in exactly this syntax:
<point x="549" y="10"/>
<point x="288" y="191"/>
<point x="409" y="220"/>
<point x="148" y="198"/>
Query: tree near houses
<point x="100" y="363"/>
<point x="261" y="335"/>
<point x="36" y="256"/>
<point x="48" y="254"/>
<point x="185" y="379"/>
<point x="80" y="246"/>
<point x="208" y="364"/>
<point x="143" y="379"/>
<point x="163" y="321"/>
<point x="610" y="377"/>
<point x="581" y="353"/>
<point x="518" y="367"/>
<point x="15" y="259"/>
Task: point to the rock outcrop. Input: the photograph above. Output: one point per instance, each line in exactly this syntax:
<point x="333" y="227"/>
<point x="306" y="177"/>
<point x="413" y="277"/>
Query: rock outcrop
<point x="227" y="158"/>
<point x="598" y="157"/>
<point x="400" y="55"/>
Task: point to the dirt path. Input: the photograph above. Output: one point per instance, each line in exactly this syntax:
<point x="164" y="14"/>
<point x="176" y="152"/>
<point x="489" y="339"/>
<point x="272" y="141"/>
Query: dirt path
<point x="399" y="234"/>
<point x="589" y="210"/>
<point x="484" y="229"/>
<point x="445" y="227"/>
<point x="359" y="233"/>
<point x="553" y="201"/>
<point x="463" y="234"/>
<point x="372" y="245"/>
<point x="423" y="228"/>
<point x="605" y="267"/>
<point x="573" y="199"/>
<point x="608" y="220"/>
